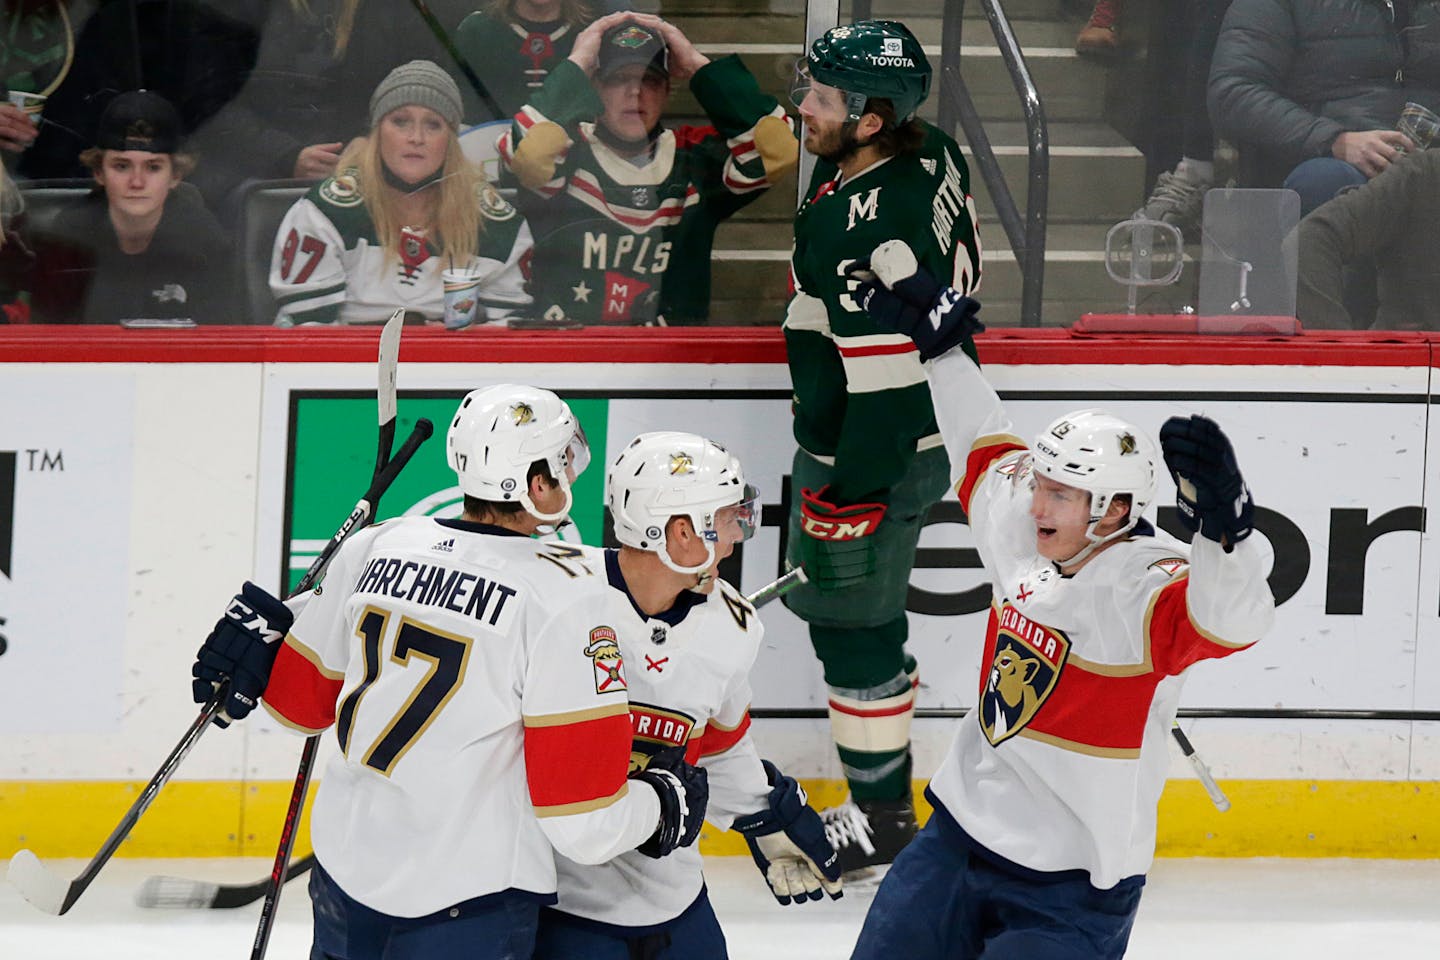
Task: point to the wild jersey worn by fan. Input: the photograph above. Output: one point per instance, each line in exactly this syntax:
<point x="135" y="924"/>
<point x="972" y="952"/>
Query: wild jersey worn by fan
<point x="688" y="673"/>
<point x="428" y="734"/>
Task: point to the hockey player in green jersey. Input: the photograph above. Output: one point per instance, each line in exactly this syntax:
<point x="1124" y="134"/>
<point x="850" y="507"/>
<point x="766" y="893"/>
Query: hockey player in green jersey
<point x="870" y="461"/>
<point x="625" y="234"/>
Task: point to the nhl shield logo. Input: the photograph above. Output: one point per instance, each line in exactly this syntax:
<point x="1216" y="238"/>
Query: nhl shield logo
<point x="1023" y="672"/>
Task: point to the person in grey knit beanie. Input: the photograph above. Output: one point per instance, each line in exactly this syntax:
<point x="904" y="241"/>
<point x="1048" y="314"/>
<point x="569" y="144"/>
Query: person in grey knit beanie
<point x="421" y="83"/>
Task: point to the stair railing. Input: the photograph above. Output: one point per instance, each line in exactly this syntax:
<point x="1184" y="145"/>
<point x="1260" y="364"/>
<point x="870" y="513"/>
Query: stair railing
<point x="1027" y="240"/>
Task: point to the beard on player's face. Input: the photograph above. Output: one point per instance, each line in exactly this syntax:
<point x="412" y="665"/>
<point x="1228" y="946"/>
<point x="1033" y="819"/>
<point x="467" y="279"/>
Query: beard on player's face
<point x="836" y="144"/>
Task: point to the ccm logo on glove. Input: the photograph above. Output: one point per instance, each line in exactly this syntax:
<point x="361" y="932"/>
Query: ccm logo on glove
<point x="826" y="521"/>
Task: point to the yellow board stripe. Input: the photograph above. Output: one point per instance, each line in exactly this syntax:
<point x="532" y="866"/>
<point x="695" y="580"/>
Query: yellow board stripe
<point x="1270" y="818"/>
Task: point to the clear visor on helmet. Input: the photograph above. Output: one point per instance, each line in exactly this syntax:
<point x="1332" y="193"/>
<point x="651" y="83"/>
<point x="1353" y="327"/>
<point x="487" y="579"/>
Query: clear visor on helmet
<point x="745" y="514"/>
<point x="801" y="82"/>
<point x="576" y="456"/>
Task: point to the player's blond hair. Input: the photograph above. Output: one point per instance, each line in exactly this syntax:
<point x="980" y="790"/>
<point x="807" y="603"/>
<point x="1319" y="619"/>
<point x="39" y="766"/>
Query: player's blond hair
<point x="576" y="13"/>
<point x="455" y="219"/>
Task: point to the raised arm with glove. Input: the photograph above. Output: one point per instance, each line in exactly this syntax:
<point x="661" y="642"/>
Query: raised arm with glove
<point x="903" y="296"/>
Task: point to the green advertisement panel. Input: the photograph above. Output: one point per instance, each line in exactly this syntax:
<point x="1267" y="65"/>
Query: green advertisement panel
<point x="333" y="439"/>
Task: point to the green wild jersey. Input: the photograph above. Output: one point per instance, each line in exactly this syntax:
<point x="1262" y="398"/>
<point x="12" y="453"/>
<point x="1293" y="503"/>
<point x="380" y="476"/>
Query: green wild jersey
<point x="511" y="58"/>
<point x="860" y="395"/>
<point x="618" y="242"/>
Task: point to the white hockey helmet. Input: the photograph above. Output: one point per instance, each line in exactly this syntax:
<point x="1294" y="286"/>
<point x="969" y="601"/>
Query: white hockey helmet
<point x="1103" y="455"/>
<point x="667" y="474"/>
<point x="499" y="431"/>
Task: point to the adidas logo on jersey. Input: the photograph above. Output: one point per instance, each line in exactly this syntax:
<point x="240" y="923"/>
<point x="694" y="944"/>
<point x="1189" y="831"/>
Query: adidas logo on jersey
<point x="445" y="546"/>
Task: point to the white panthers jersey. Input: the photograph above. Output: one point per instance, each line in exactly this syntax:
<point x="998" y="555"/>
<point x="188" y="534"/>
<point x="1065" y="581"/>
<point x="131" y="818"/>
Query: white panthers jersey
<point x="479" y="698"/>
<point x="689" y="676"/>
<point x="1060" y="765"/>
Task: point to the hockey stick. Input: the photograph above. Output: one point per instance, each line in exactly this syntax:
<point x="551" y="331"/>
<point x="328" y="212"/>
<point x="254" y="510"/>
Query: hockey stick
<point x="55" y="895"/>
<point x="185" y="894"/>
<point x="386" y="469"/>
<point x="441" y="34"/>
<point x="1217" y="796"/>
<point x="778" y="588"/>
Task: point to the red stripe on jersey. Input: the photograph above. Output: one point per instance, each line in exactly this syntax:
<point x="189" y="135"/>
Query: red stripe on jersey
<point x="577" y="762"/>
<point x="890" y="711"/>
<point x="299" y="692"/>
<point x="716" y="740"/>
<point x="689" y="136"/>
<point x="1070" y="712"/>
<point x="978" y="463"/>
<point x="1175" y="642"/>
<point x="878" y="349"/>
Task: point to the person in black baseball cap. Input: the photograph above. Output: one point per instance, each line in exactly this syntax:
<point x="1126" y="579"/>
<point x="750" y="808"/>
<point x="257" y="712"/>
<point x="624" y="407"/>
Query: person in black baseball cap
<point x="142" y="246"/>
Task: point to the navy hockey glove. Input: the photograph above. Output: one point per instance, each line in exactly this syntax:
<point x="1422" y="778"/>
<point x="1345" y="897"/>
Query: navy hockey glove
<point x="241" y="648"/>
<point x="684" y="792"/>
<point x="789" y="844"/>
<point x="1211" y="495"/>
<point x="837" y="550"/>
<point x="901" y="295"/>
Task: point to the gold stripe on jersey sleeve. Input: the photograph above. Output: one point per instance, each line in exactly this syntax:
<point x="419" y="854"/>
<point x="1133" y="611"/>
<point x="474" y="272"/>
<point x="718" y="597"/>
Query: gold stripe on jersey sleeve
<point x="1113" y="753"/>
<point x="294" y="643"/>
<point x="576" y="716"/>
<point x="583" y="806"/>
<point x="281" y="719"/>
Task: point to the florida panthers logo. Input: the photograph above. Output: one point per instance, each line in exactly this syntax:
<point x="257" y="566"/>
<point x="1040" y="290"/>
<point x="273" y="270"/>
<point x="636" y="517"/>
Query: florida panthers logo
<point x="522" y="413"/>
<point x="604" y="652"/>
<point x="1023" y="672"/>
<point x="681" y="464"/>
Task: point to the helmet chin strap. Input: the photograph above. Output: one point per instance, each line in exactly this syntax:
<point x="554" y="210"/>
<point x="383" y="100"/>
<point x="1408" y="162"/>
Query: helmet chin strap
<point x="701" y="572"/>
<point x="1096" y="542"/>
<point x="555" y="519"/>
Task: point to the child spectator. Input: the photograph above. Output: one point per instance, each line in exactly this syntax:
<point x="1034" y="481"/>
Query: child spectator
<point x="626" y="234"/>
<point x="141" y="245"/>
<point x="404" y="206"/>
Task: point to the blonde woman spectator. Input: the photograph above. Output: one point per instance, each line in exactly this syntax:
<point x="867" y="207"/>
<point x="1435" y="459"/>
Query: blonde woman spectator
<point x="404" y="206"/>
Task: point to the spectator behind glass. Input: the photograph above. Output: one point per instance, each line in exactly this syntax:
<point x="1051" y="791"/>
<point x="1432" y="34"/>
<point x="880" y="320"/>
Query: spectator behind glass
<point x="513" y="44"/>
<point x="626" y="235"/>
<point x="35" y="57"/>
<point x="141" y="245"/>
<point x="405" y="206"/>
<point x="15" y="258"/>
<point x="309" y="93"/>
<point x="1391" y="219"/>
<point x="194" y="54"/>
<point x="1315" y="87"/>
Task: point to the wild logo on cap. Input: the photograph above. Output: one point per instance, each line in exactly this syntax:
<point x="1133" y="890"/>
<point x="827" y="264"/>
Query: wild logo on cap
<point x="632" y="37"/>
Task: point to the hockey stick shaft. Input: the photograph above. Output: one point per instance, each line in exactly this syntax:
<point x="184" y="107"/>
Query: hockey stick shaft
<point x="1217" y="796"/>
<point x="359" y="517"/>
<point x="442" y="35"/>
<point x="778" y="588"/>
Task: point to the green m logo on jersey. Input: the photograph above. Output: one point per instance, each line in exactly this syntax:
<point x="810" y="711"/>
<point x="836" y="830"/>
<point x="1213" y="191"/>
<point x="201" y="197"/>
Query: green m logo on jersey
<point x="865" y="207"/>
<point x="332" y="444"/>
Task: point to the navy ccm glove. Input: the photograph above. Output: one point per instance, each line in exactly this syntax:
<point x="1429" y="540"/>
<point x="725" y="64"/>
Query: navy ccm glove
<point x="684" y="793"/>
<point x="901" y="295"/>
<point x="789" y="845"/>
<point x="837" y="550"/>
<point x="242" y="648"/>
<point x="1212" y="497"/>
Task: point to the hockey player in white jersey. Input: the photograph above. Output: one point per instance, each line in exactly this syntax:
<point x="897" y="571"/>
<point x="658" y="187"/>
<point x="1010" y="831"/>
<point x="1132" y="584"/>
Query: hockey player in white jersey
<point x="1045" y="806"/>
<point x="680" y="504"/>
<point x="478" y="695"/>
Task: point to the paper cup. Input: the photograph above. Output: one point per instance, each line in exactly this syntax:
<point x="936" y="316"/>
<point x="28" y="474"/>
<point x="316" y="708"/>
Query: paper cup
<point x="462" y="298"/>
<point x="31" y="103"/>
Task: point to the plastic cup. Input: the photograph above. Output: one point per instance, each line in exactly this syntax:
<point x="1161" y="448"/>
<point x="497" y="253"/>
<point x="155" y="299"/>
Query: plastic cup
<point x="462" y="298"/>
<point x="1420" y="124"/>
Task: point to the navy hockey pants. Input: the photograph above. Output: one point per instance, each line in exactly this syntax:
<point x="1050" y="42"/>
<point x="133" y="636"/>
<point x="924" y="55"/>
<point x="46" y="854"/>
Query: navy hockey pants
<point x="942" y="902"/>
<point x="498" y="927"/>
<point x="694" y="935"/>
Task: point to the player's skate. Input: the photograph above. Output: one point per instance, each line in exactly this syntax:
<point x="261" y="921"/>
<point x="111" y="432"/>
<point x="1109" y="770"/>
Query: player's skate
<point x="869" y="833"/>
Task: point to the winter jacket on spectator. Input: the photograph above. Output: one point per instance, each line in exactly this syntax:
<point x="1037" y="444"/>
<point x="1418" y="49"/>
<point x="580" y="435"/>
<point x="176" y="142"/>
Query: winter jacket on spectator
<point x="1289" y="76"/>
<point x="1391" y="219"/>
